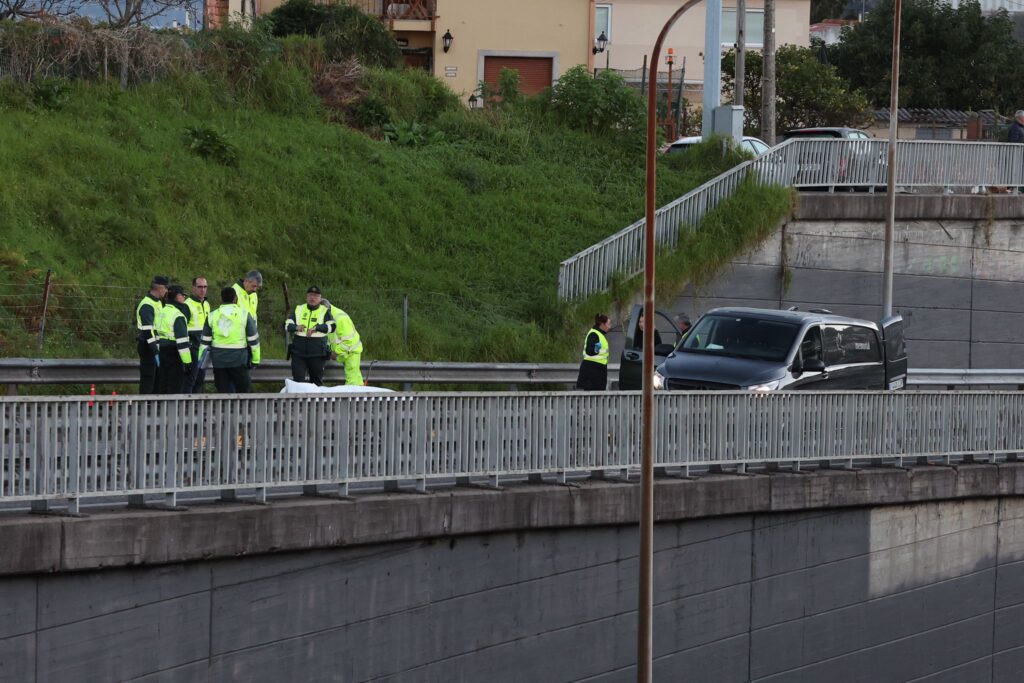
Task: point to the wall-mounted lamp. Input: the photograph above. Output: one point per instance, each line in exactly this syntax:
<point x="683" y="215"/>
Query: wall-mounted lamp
<point x="601" y="43"/>
<point x="446" y="40"/>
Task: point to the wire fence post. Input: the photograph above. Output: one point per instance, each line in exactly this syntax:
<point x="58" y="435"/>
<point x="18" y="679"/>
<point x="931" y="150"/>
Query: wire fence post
<point x="405" y="321"/>
<point x="46" y="306"/>
<point x="405" y="333"/>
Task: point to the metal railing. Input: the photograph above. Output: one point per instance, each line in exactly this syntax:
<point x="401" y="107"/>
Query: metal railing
<point x="75" y="448"/>
<point x="822" y="164"/>
<point x="390" y="9"/>
<point x="55" y="371"/>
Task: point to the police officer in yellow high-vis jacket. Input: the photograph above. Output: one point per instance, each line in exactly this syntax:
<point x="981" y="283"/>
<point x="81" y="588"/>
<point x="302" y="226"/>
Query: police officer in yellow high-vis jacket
<point x="594" y="366"/>
<point x="147" y="314"/>
<point x="346" y="346"/>
<point x="175" y="353"/>
<point x="231" y="339"/>
<point x="309" y="326"/>
<point x="199" y="310"/>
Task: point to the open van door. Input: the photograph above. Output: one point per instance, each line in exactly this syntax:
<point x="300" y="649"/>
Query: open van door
<point x="631" y="364"/>
<point x="895" y="353"/>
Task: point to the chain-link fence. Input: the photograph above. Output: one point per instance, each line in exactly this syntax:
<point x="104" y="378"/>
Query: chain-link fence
<point x="65" y="318"/>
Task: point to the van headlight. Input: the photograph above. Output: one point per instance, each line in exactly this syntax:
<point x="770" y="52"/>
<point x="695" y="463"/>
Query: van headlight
<point x="767" y="386"/>
<point x="659" y="380"/>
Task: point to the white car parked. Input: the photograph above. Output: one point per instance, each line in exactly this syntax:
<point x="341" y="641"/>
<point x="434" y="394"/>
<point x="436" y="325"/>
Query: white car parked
<point x="753" y="145"/>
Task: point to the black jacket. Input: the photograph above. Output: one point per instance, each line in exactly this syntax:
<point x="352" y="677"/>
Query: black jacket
<point x="1016" y="132"/>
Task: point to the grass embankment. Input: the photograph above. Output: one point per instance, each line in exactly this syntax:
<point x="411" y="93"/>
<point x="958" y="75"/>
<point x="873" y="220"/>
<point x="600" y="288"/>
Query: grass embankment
<point x="101" y="187"/>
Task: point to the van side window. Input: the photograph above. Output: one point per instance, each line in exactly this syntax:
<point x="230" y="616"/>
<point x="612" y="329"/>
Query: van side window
<point x="811" y="347"/>
<point x="860" y="345"/>
<point x="833" y="346"/>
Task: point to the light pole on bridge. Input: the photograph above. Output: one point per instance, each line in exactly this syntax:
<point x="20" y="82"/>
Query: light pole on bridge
<point x="890" y="183"/>
<point x="644" y="650"/>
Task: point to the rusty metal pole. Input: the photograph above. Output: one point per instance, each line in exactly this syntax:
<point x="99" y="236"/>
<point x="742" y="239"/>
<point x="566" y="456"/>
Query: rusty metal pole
<point x="46" y="306"/>
<point x="890" y="183"/>
<point x="645" y="610"/>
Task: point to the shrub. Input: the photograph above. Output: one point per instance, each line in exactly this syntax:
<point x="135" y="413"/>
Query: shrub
<point x="411" y="134"/>
<point x="410" y="94"/>
<point x="211" y="144"/>
<point x="346" y="31"/>
<point x="50" y="93"/>
<point x="599" y="105"/>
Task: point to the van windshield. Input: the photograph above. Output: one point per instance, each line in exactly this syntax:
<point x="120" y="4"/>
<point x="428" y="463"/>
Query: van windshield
<point x="742" y="337"/>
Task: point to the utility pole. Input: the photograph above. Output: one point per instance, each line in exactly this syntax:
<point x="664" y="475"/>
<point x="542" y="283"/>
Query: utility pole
<point x="741" y="51"/>
<point x="768" y="75"/>
<point x="890" y="183"/>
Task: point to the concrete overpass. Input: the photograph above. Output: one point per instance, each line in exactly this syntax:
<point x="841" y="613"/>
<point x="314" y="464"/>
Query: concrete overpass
<point x="882" y="574"/>
<point x="830" y="537"/>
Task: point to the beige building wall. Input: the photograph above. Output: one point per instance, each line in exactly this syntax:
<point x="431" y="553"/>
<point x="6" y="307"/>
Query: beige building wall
<point x="636" y="23"/>
<point x="559" y="29"/>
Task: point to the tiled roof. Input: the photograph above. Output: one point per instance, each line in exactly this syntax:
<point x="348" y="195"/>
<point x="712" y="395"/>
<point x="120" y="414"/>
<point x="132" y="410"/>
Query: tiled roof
<point x="947" y="117"/>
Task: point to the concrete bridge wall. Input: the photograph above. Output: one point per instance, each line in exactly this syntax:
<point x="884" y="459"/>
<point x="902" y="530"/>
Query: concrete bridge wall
<point x="879" y="575"/>
<point x="959" y="272"/>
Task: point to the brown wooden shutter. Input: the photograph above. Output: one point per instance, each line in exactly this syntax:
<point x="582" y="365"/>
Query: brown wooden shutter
<point x="534" y="72"/>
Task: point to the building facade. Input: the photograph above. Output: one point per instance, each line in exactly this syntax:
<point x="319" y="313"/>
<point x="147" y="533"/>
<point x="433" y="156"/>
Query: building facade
<point x="465" y="42"/>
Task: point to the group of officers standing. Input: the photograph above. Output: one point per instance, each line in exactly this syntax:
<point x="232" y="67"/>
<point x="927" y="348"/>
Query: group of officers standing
<point x="179" y="334"/>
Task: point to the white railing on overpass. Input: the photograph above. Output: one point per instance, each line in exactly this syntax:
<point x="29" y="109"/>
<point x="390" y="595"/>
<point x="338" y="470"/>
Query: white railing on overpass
<point x="75" y="448"/>
<point x="15" y="372"/>
<point x="802" y="164"/>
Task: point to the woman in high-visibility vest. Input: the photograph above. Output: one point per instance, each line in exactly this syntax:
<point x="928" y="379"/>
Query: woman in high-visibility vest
<point x="594" y="366"/>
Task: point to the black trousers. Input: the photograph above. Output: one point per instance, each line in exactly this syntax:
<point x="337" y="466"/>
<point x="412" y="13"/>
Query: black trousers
<point x="232" y="380"/>
<point x="147" y="369"/>
<point x="311" y="365"/>
<point x="593" y="376"/>
<point x="171" y="378"/>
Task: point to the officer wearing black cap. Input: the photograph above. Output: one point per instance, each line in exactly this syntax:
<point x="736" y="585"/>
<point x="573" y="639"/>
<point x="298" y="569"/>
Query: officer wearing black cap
<point x="309" y="326"/>
<point x="175" y="351"/>
<point x="147" y="313"/>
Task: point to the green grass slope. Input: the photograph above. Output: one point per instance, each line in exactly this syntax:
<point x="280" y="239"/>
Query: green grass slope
<point x="104" y="189"/>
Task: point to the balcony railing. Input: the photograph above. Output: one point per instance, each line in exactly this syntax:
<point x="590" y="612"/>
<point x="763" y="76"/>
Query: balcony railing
<point x="408" y="9"/>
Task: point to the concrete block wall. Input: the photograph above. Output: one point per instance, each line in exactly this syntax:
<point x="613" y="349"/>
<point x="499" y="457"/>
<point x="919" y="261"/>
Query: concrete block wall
<point x="925" y="592"/>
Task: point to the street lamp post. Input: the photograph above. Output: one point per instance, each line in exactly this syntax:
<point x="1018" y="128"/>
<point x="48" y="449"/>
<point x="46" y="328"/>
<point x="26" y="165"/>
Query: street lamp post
<point x="890" y="184"/>
<point x="644" y="650"/>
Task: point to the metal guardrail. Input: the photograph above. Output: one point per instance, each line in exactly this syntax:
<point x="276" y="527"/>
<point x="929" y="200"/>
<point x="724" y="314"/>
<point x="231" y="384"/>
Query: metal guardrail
<point x="50" y="371"/>
<point x="54" y="371"/>
<point x="75" y="448"/>
<point x="825" y="164"/>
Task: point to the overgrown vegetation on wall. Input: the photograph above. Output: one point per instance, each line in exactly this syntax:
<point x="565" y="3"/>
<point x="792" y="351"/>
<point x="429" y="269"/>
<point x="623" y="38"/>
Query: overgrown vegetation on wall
<point x="373" y="184"/>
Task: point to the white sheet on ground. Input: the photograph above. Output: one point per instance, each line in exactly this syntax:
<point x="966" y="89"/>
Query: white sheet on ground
<point x="293" y="387"/>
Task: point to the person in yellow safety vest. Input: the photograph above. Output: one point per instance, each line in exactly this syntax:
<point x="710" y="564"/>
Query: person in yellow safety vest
<point x="594" y="366"/>
<point x="246" y="292"/>
<point x="309" y="324"/>
<point x="175" y="353"/>
<point x="199" y="310"/>
<point x="231" y="339"/>
<point x="147" y="341"/>
<point x="346" y="346"/>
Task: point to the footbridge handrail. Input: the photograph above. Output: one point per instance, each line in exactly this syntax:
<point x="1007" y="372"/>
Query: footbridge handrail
<point x="81" y="447"/>
<point x="802" y="163"/>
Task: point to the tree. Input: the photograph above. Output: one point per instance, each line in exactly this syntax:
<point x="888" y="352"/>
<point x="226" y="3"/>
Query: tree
<point x="37" y="9"/>
<point x="124" y="13"/>
<point x="827" y="9"/>
<point x="950" y="57"/>
<point x="808" y="93"/>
